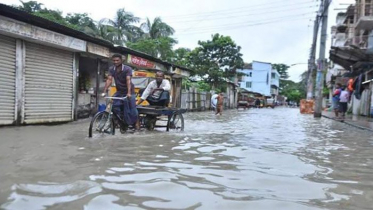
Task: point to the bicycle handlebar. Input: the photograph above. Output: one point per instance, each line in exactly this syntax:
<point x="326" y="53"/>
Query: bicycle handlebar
<point x="118" y="98"/>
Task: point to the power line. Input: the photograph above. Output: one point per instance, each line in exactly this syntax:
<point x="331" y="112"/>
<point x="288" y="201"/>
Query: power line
<point x="245" y="15"/>
<point x="232" y="9"/>
<point x="239" y="23"/>
<point x="252" y="22"/>
<point x="242" y="26"/>
<point x="203" y="17"/>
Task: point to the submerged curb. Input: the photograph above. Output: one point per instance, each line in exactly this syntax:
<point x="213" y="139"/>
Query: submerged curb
<point x="348" y="123"/>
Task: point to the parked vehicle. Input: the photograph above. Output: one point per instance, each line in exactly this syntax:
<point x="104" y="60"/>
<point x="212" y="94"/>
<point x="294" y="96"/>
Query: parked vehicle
<point x="270" y="103"/>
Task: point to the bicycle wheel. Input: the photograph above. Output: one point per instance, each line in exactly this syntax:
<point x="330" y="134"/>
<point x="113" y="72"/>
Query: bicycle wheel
<point x="176" y="122"/>
<point x="101" y="123"/>
<point x="150" y="122"/>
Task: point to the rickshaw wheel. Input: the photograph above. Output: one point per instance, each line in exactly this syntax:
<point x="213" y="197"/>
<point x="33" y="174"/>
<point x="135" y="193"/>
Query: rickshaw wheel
<point x="150" y="123"/>
<point x="176" y="122"/>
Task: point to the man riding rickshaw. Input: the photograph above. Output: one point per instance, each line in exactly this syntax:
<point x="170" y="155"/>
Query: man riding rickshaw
<point x="153" y="100"/>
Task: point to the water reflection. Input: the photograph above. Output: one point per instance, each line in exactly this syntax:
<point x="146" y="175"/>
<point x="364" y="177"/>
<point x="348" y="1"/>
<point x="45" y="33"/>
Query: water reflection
<point x="259" y="159"/>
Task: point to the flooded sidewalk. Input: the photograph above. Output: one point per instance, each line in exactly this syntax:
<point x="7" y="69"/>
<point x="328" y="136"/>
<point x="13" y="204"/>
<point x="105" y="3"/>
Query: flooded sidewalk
<point x="361" y="122"/>
<point x="252" y="159"/>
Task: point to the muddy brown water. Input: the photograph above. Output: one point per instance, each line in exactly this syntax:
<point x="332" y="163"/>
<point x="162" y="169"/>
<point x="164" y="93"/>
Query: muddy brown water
<point x="253" y="159"/>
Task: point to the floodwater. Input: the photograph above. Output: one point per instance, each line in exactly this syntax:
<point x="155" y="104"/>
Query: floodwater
<point x="254" y="159"/>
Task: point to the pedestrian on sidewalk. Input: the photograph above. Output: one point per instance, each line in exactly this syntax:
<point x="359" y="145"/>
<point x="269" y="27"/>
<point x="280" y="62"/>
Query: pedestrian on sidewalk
<point x="335" y="99"/>
<point x="344" y="98"/>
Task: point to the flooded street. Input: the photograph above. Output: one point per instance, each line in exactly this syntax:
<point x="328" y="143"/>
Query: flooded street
<point x="254" y="159"/>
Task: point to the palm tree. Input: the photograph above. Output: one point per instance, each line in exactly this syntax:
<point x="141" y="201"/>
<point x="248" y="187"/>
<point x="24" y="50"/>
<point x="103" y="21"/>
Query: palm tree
<point x="124" y="28"/>
<point x="30" y="6"/>
<point x="157" y="29"/>
<point x="106" y="32"/>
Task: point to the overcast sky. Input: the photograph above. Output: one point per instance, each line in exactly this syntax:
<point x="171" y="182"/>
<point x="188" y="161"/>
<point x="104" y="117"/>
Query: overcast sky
<point x="275" y="31"/>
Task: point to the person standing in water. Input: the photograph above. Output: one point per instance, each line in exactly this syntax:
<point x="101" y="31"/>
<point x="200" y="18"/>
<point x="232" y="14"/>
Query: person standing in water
<point x="219" y="107"/>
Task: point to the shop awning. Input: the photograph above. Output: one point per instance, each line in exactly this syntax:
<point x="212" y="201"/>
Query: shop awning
<point x="246" y="91"/>
<point x="347" y="56"/>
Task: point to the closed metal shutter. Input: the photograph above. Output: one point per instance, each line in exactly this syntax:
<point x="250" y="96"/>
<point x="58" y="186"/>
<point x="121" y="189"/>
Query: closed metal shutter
<point x="7" y="80"/>
<point x="48" y="84"/>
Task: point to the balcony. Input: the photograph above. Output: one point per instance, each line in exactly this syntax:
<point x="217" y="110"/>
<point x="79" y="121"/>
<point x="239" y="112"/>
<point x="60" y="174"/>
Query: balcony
<point x="274" y="91"/>
<point x="365" y="23"/>
<point x="275" y="82"/>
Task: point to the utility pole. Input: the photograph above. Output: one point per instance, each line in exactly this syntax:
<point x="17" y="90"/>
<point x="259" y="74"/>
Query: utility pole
<point x="322" y="61"/>
<point x="311" y="61"/>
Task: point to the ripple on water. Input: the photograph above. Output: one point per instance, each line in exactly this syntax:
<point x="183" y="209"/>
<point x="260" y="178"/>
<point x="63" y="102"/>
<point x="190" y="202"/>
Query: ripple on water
<point x="254" y="159"/>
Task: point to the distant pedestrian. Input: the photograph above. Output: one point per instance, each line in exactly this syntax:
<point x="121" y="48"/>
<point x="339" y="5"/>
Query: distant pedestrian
<point x="344" y="98"/>
<point x="257" y="103"/>
<point x="335" y="99"/>
<point x="220" y="102"/>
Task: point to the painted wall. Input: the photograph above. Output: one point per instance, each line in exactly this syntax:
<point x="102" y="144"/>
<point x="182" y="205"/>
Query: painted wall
<point x="259" y="77"/>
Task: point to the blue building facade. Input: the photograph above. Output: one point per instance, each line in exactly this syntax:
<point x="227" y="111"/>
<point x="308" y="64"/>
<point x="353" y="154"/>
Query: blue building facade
<point x="261" y="78"/>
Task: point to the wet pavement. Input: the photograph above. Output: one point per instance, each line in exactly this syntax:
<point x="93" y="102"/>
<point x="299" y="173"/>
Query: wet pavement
<point x="253" y="159"/>
<point x="361" y="122"/>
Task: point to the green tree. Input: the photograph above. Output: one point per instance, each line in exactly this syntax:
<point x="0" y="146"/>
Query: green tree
<point x="53" y="15"/>
<point x="124" y="29"/>
<point x="156" y="29"/>
<point x="148" y="46"/>
<point x="30" y="6"/>
<point x="106" y="32"/>
<point x="292" y="90"/>
<point x="180" y="56"/>
<point x="216" y="60"/>
<point x="83" y="22"/>
<point x="282" y="69"/>
<point x="160" y="47"/>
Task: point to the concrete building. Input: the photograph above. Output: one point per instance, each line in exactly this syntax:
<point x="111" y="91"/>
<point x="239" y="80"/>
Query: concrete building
<point x="356" y="55"/>
<point x="260" y="78"/>
<point x="341" y="34"/>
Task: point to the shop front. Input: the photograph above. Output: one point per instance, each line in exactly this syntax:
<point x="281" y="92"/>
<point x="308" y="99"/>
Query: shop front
<point x="7" y="80"/>
<point x="91" y="77"/>
<point x="38" y="68"/>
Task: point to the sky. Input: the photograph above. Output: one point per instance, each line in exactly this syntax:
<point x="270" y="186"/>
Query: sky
<point x="274" y="31"/>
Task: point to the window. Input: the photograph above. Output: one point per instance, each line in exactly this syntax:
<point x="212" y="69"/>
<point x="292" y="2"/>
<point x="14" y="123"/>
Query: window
<point x="274" y="75"/>
<point x="248" y="84"/>
<point x="250" y="74"/>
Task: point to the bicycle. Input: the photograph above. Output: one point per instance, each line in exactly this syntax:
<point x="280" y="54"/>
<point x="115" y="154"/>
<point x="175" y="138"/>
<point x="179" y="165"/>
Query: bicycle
<point x="105" y="122"/>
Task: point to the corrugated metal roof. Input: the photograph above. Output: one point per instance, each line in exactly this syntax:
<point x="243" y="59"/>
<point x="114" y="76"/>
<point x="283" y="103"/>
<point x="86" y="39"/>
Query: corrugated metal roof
<point x="347" y="57"/>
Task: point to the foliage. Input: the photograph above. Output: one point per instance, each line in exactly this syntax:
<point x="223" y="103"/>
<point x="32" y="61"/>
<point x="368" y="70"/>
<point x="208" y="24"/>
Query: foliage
<point x="199" y="85"/>
<point x="124" y="28"/>
<point x="282" y="69"/>
<point x="159" y="48"/>
<point x="216" y="60"/>
<point x="203" y="86"/>
<point x="156" y="29"/>
<point x="83" y="23"/>
<point x="155" y="39"/>
<point x="31" y="6"/>
<point x="292" y="90"/>
<point x="106" y="32"/>
<point x="147" y="46"/>
<point x="180" y="56"/>
<point x="53" y="15"/>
